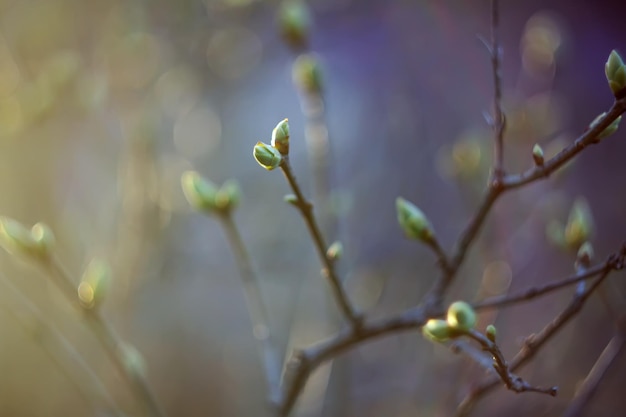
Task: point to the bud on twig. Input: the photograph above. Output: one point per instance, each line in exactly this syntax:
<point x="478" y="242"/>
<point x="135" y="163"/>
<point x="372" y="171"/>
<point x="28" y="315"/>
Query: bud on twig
<point x="307" y="74"/>
<point x="615" y="71"/>
<point x="538" y="155"/>
<point x="461" y="316"/>
<point x="294" y="21"/>
<point x="579" y="224"/>
<point x="335" y="251"/>
<point x="280" y="137"/>
<point x="437" y="330"/>
<point x="200" y="192"/>
<point x="267" y="156"/>
<point x="585" y="255"/>
<point x="94" y="284"/>
<point x="228" y="196"/>
<point x="610" y="129"/>
<point x="413" y="221"/>
<point x="16" y="239"/>
<point x="491" y="332"/>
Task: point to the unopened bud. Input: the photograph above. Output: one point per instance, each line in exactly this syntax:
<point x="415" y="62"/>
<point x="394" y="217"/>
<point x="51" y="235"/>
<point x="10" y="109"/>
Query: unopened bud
<point x="579" y="224"/>
<point x="280" y="137"/>
<point x="133" y="361"/>
<point x="335" y="251"/>
<point x="437" y="330"/>
<point x="615" y="71"/>
<point x="491" y="332"/>
<point x="291" y="199"/>
<point x="307" y="74"/>
<point x="200" y="192"/>
<point x="16" y="239"/>
<point x="413" y="222"/>
<point x="461" y="316"/>
<point x="267" y="156"/>
<point x="538" y="155"/>
<point x="294" y="21"/>
<point x="228" y="196"/>
<point x="585" y="255"/>
<point x="609" y="130"/>
<point x="94" y="284"/>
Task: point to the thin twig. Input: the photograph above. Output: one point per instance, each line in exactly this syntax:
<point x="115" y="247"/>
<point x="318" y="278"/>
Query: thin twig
<point x="534" y="343"/>
<point x="306" y="209"/>
<point x="589" y="386"/>
<point x="513" y="382"/>
<point x="256" y="307"/>
<point x="305" y="361"/>
<point x="499" y="120"/>
<point x="69" y="353"/>
<point x="534" y="292"/>
<point x="110" y="342"/>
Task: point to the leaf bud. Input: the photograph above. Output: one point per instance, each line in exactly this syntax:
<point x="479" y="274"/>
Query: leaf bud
<point x="609" y="130"/>
<point x="94" y="284"/>
<point x="579" y="224"/>
<point x="280" y="137"/>
<point x="437" y="330"/>
<point x="200" y="192"/>
<point x="585" y="255"/>
<point x="538" y="155"/>
<point x="413" y="221"/>
<point x="307" y="74"/>
<point x="228" y="196"/>
<point x="16" y="239"/>
<point x="267" y="156"/>
<point x="615" y="71"/>
<point x="294" y="21"/>
<point x="461" y="316"/>
<point x="491" y="332"/>
<point x="335" y="251"/>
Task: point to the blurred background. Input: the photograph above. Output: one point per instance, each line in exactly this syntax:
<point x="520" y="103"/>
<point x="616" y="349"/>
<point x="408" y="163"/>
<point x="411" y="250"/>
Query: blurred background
<point x="103" y="104"/>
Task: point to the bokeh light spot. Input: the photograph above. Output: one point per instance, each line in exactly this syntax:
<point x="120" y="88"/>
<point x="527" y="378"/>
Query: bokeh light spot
<point x="234" y="52"/>
<point x="497" y="277"/>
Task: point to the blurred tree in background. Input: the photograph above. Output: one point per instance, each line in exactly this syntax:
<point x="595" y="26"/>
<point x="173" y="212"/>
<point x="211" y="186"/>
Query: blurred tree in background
<point x="104" y="104"/>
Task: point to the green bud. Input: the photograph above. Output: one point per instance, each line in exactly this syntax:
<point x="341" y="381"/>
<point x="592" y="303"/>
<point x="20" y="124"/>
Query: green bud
<point x="615" y="73"/>
<point x="306" y="74"/>
<point x="16" y="239"/>
<point x="538" y="155"/>
<point x="133" y="360"/>
<point x="43" y="236"/>
<point x="579" y="224"/>
<point x="413" y="221"/>
<point x="437" y="330"/>
<point x="94" y="284"/>
<point x="228" y="196"/>
<point x="461" y="316"/>
<point x="200" y="193"/>
<point x="335" y="251"/>
<point x="291" y="199"/>
<point x="610" y="129"/>
<point x="280" y="137"/>
<point x="491" y="333"/>
<point x="294" y="22"/>
<point x="585" y="255"/>
<point x="267" y="156"/>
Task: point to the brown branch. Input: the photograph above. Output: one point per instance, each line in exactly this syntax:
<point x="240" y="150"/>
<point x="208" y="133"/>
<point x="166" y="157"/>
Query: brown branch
<point x="307" y="360"/>
<point x="256" y="307"/>
<point x="589" y="386"/>
<point x="499" y="120"/>
<point x="534" y="292"/>
<point x="534" y="343"/>
<point x="513" y="382"/>
<point x="306" y="209"/>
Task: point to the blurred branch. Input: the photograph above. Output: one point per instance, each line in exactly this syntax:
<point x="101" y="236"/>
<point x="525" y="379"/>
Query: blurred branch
<point x="64" y="349"/>
<point x="306" y="209"/>
<point x="109" y="341"/>
<point x="499" y="118"/>
<point x="590" y="385"/>
<point x="256" y="307"/>
<point x="534" y="343"/>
